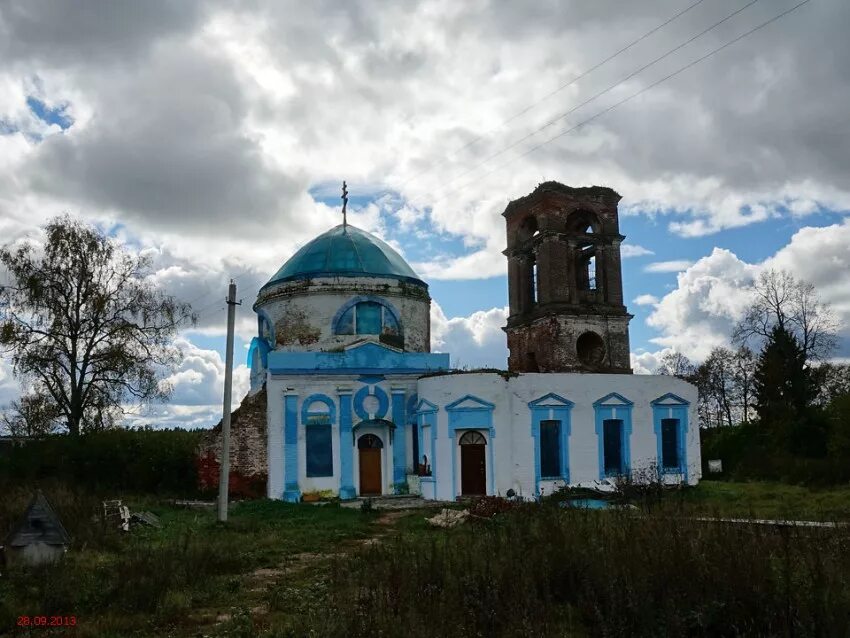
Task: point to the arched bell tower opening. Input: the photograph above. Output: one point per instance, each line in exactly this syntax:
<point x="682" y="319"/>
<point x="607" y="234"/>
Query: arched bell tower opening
<point x="565" y="283"/>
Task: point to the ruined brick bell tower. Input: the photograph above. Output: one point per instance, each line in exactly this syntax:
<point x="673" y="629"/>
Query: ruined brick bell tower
<point x="565" y="284"/>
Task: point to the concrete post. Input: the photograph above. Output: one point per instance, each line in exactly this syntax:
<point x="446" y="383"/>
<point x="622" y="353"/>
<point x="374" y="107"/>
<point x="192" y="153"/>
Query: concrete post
<point x="224" y="477"/>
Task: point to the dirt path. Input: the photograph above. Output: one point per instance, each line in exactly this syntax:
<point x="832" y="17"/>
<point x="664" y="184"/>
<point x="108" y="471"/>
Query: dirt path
<point x="261" y="580"/>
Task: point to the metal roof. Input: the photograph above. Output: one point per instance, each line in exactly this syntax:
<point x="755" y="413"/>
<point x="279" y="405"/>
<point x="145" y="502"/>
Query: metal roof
<point x="345" y="251"/>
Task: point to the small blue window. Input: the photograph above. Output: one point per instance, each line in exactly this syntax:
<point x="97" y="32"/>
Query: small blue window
<point x="550" y="449"/>
<point x="367" y="318"/>
<point x="613" y="446"/>
<point x="319" y="451"/>
<point x="670" y="444"/>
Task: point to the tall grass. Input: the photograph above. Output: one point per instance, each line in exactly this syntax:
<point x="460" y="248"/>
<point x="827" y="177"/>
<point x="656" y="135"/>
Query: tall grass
<point x="542" y="571"/>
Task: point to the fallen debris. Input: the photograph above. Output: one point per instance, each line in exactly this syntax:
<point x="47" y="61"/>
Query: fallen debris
<point x="116" y="515"/>
<point x="148" y="519"/>
<point x="448" y="518"/>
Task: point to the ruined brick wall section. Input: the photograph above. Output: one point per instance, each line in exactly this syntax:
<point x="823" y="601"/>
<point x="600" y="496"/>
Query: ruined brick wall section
<point x="248" y="456"/>
<point x="553" y="340"/>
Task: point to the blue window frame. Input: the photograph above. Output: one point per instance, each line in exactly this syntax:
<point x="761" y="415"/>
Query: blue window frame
<point x="550" y="448"/>
<point x="614" y="432"/>
<point x="670" y="418"/>
<point x="319" y="451"/>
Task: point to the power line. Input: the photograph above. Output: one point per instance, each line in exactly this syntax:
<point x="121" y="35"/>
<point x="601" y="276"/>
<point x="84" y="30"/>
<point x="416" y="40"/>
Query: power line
<point x="630" y="97"/>
<point x="531" y="106"/>
<point x="603" y="92"/>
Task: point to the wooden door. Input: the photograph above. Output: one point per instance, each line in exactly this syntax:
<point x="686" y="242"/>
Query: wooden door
<point x="370" y="471"/>
<point x="473" y="470"/>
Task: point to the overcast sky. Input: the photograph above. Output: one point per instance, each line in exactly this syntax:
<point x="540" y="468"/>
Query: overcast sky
<point x="215" y="135"/>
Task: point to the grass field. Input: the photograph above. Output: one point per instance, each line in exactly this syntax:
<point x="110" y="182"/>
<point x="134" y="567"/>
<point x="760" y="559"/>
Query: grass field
<point x="277" y="569"/>
<point x="770" y="500"/>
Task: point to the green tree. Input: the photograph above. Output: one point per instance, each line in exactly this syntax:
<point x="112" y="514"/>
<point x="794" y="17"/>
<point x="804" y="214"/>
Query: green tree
<point x="85" y="325"/>
<point x="784" y="392"/>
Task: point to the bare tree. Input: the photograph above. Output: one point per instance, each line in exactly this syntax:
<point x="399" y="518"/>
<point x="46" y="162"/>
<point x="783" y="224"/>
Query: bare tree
<point x="86" y="326"/>
<point x="744" y="364"/>
<point x="720" y="367"/>
<point x="781" y="300"/>
<point x="33" y="415"/>
<point x="675" y="364"/>
<point x="832" y="380"/>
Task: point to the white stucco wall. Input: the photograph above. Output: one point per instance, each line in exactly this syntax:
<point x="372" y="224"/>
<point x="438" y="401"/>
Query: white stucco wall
<point x="510" y="454"/>
<point x="329" y="385"/>
<point x="513" y="452"/>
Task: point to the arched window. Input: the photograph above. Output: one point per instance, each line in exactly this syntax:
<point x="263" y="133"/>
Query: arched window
<point x="367" y="318"/>
<point x="473" y="438"/>
<point x="369" y="442"/>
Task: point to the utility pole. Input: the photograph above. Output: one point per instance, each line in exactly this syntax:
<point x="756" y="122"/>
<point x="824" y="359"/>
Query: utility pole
<point x="223" y="481"/>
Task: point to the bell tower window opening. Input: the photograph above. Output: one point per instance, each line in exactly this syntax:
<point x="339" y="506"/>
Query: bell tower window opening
<point x="586" y="274"/>
<point x="535" y="297"/>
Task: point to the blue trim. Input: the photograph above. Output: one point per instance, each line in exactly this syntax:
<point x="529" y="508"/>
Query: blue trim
<point x="306" y="412"/>
<point x="399" y="438"/>
<point x="361" y="298"/>
<point x="613" y="399"/>
<point x="288" y="372"/>
<point x="551" y="400"/>
<point x="377" y="392"/>
<point x="291" y="491"/>
<point x="554" y="407"/>
<point x="412" y="402"/>
<point x="670" y="399"/>
<point x="614" y="406"/>
<point x="428" y="418"/>
<point x="425" y="406"/>
<point x="481" y="404"/>
<point x="261" y="315"/>
<point x="671" y="406"/>
<point x="258" y="345"/>
<point x="479" y="416"/>
<point x="346" y="449"/>
<point x="364" y="358"/>
<point x="371" y="379"/>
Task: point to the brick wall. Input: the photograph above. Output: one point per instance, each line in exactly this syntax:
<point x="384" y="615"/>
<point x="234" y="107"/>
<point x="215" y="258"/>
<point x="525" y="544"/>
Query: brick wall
<point x="248" y="457"/>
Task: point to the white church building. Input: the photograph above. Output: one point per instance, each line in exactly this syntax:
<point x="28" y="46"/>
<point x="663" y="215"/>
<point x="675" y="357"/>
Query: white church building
<point x="358" y="405"/>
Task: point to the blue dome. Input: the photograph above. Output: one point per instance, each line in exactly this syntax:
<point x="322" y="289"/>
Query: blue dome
<point x="345" y="251"/>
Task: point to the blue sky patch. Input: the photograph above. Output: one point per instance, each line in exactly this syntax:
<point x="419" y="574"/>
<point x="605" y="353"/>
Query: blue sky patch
<point x="55" y="115"/>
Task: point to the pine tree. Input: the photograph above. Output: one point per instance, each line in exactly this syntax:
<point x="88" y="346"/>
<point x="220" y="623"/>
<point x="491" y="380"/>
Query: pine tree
<point x="784" y="392"/>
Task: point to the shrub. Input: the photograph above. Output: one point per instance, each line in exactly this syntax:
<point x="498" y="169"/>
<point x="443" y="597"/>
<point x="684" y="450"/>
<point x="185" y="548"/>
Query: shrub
<point x="153" y="461"/>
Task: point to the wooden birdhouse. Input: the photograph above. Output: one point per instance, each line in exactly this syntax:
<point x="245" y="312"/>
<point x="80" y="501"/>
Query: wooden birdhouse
<point x="39" y="536"/>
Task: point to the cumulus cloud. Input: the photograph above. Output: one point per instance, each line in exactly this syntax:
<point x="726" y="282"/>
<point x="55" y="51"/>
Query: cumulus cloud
<point x="714" y="293"/>
<point x="207" y="132"/>
<point x="475" y="341"/>
<point x="10" y="389"/>
<point x="633" y="250"/>
<point x="645" y="300"/>
<point x="674" y="265"/>
<point x="197" y="391"/>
